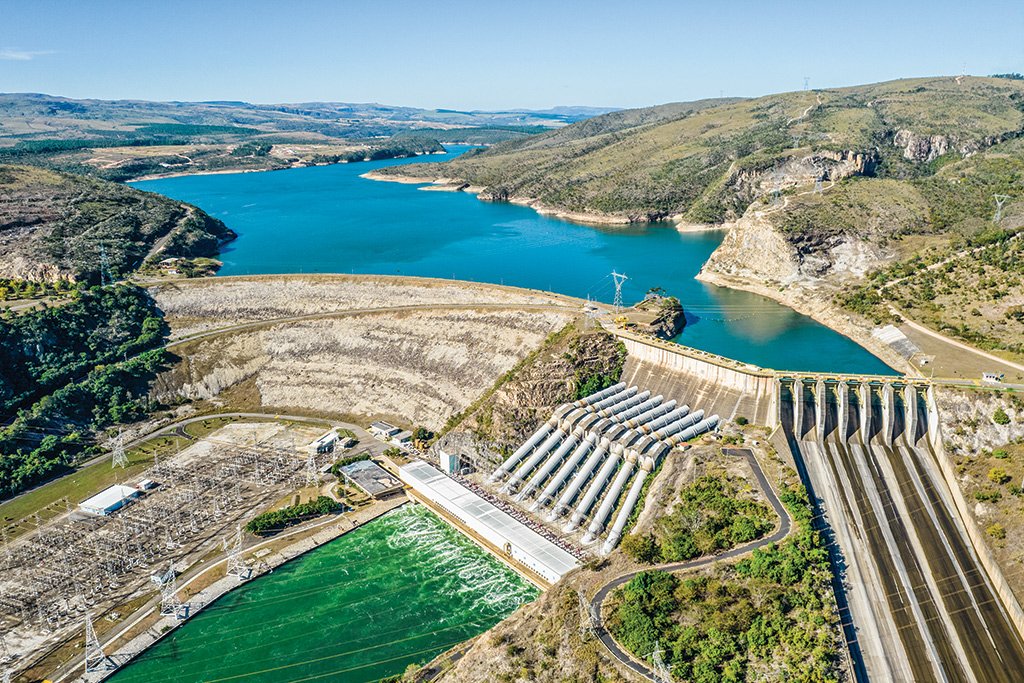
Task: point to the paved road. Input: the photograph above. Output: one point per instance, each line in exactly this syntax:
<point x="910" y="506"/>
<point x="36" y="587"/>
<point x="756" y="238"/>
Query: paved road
<point x="350" y="312"/>
<point x="596" y="604"/>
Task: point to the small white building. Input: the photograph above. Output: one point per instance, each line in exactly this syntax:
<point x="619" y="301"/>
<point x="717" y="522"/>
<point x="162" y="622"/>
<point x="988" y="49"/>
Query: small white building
<point x="383" y="430"/>
<point x="325" y="444"/>
<point x="403" y="438"/>
<point x="109" y="500"/>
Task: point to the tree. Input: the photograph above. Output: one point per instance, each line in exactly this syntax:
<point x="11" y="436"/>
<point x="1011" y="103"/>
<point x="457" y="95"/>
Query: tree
<point x="641" y="548"/>
<point x="1000" y="417"/>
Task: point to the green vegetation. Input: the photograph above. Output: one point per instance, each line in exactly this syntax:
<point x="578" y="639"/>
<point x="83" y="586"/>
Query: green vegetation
<point x="590" y="380"/>
<point x="768" y="617"/>
<point x="276" y="520"/>
<point x="997" y="475"/>
<point x="43" y="349"/>
<point x="80" y="222"/>
<point x="1000" y="417"/>
<point x="55" y="432"/>
<point x="16" y="289"/>
<point x="711" y="516"/>
<point x="702" y="159"/>
<point x="342" y="462"/>
<point x="70" y="371"/>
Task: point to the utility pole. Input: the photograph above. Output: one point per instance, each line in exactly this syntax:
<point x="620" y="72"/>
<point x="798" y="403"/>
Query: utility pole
<point x="619" y="279"/>
<point x="95" y="658"/>
<point x="118" y="457"/>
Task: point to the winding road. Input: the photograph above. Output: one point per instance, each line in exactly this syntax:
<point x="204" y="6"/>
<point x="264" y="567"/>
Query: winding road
<point x="785" y="526"/>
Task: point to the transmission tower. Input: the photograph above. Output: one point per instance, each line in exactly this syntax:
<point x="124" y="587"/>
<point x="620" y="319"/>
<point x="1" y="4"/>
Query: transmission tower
<point x="588" y="616"/>
<point x="818" y="186"/>
<point x="807" y="80"/>
<point x="118" y="457"/>
<point x="661" y="672"/>
<point x="95" y="658"/>
<point x="105" y="276"/>
<point x="1000" y="200"/>
<point x="311" y="475"/>
<point x="170" y="604"/>
<point x="619" y="279"/>
<point x="236" y="567"/>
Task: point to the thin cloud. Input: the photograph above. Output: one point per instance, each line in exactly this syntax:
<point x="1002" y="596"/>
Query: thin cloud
<point x="13" y="54"/>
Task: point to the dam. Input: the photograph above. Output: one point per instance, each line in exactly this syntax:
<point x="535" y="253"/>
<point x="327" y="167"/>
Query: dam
<point x="920" y="596"/>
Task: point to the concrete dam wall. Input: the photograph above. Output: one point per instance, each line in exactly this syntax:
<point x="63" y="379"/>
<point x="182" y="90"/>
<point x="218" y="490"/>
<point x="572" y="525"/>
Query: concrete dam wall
<point x="719" y="385"/>
<point x="919" y="600"/>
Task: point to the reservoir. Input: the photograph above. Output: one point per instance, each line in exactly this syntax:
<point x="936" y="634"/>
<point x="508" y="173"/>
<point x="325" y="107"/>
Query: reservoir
<point x="399" y="590"/>
<point x="327" y="219"/>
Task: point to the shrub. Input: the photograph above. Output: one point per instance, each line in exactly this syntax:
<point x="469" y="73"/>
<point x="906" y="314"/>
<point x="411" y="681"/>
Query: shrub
<point x="276" y="520"/>
<point x="998" y="475"/>
<point x="642" y="548"/>
<point x="996" y="531"/>
<point x="741" y="421"/>
<point x="1000" y="453"/>
<point x="1000" y="417"/>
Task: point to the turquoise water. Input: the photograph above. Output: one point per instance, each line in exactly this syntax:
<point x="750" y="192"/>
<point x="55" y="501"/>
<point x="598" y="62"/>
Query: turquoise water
<point x="327" y="219"/>
<point x="399" y="590"/>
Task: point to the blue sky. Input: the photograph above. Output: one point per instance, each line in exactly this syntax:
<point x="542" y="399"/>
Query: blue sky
<point x="488" y="55"/>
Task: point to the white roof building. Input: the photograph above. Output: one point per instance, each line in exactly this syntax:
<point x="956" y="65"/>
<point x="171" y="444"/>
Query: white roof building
<point x="498" y="528"/>
<point x="380" y="428"/>
<point x="109" y="500"/>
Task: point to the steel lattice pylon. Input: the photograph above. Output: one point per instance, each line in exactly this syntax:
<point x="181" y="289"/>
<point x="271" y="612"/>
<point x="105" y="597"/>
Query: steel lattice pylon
<point x="619" y="279"/>
<point x="95" y="658"/>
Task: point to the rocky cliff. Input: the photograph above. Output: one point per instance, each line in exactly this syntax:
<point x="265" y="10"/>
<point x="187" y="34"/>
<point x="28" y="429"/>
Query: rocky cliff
<point x="571" y="363"/>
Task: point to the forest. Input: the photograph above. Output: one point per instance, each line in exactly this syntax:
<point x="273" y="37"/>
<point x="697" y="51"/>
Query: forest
<point x="770" y="616"/>
<point x="68" y="372"/>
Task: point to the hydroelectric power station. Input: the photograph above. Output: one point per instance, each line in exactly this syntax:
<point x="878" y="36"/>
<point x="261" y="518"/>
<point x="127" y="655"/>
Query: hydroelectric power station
<point x="578" y="464"/>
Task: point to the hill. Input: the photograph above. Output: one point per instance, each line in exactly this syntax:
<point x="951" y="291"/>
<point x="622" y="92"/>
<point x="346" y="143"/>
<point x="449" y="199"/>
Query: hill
<point x="59" y="226"/>
<point x="707" y="161"/>
<point x="33" y="116"/>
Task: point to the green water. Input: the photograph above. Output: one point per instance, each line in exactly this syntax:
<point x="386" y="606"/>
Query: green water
<point x="398" y="590"/>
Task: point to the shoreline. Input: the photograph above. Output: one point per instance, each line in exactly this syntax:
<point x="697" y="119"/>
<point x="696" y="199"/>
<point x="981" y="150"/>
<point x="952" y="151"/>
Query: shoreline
<point x="289" y="167"/>
<point x="821" y="312"/>
<point x="443" y="184"/>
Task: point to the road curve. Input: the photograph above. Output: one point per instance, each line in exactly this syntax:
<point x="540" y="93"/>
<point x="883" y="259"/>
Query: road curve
<point x="785" y="526"/>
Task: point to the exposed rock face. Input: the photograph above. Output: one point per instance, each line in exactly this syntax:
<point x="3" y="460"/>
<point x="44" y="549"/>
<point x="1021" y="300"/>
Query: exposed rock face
<point x="924" y="148"/>
<point x="921" y="147"/>
<point x="754" y="249"/>
<point x="521" y="404"/>
<point x="796" y="171"/>
<point x="966" y="420"/>
<point x="669" y="319"/>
